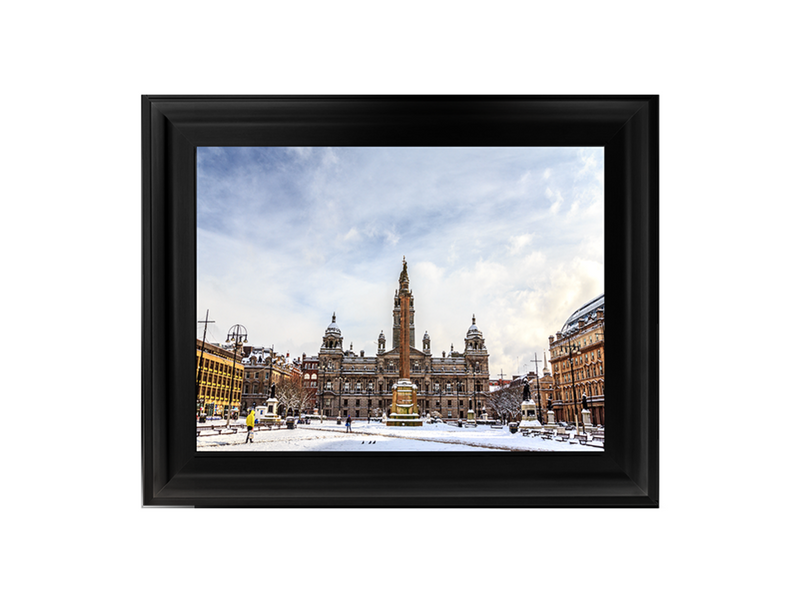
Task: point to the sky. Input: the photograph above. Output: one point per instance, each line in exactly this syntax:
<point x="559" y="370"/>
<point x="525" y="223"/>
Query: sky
<point x="287" y="236"/>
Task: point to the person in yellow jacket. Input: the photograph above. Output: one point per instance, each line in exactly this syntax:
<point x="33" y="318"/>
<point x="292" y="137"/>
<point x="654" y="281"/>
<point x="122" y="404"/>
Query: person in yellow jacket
<point x="250" y="426"/>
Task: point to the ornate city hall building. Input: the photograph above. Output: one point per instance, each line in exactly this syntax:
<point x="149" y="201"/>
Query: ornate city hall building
<point x="362" y="386"/>
<point x="578" y="358"/>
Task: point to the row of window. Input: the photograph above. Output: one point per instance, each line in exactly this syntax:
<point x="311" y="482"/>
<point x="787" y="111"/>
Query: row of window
<point x="215" y="364"/>
<point x="218" y="392"/>
<point x="415" y="367"/>
<point x="219" y="368"/>
<point x="426" y="390"/>
<point x="264" y="375"/>
<point x="591" y="389"/>
<point x="426" y="404"/>
<point x="563" y="349"/>
<point x="218" y="380"/>
<point x="595" y="370"/>
<point x="576" y="360"/>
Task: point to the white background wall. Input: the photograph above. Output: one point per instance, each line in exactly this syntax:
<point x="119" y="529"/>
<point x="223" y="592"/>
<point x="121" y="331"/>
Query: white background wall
<point x="731" y="126"/>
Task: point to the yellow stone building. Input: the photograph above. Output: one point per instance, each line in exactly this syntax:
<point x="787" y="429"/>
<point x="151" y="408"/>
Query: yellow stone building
<point x="215" y="385"/>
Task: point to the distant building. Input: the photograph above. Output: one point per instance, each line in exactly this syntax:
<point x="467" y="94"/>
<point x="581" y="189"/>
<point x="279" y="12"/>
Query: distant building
<point x="578" y="358"/>
<point x="359" y="385"/>
<point x="543" y="390"/>
<point x="215" y="388"/>
<point x="263" y="369"/>
<point x="309" y="368"/>
<point x="499" y="383"/>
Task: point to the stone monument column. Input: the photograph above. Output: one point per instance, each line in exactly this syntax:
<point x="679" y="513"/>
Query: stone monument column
<point x="404" y="331"/>
<point x="404" y="408"/>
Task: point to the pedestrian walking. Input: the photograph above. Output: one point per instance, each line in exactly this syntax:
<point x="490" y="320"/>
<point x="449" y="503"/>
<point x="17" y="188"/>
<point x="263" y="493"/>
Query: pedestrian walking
<point x="349" y="424"/>
<point x="250" y="427"/>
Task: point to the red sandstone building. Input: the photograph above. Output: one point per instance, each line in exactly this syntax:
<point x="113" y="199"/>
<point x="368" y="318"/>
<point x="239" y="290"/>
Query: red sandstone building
<point x="577" y="355"/>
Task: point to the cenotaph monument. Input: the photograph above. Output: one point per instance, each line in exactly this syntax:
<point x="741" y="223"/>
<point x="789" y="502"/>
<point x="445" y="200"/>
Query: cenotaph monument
<point x="404" y="408"/>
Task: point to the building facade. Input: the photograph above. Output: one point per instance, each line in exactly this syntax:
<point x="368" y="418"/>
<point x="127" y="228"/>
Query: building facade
<point x="263" y="369"/>
<point x="309" y="368"/>
<point x="215" y="386"/>
<point x="578" y="359"/>
<point x="361" y="386"/>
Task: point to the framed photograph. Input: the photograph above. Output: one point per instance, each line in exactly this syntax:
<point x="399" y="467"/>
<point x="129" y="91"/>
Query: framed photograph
<point x="387" y="294"/>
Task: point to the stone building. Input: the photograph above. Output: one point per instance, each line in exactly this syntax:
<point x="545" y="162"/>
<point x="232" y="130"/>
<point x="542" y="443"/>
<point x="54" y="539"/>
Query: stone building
<point x="309" y="368"/>
<point x="215" y="387"/>
<point x="262" y="369"/>
<point x="577" y="355"/>
<point x="360" y="385"/>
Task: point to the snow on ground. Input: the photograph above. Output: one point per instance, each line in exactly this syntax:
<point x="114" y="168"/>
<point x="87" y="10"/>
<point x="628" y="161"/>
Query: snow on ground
<point x="377" y="437"/>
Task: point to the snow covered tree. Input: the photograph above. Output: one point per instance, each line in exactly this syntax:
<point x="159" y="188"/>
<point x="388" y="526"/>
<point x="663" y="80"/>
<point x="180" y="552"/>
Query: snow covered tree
<point x="294" y="398"/>
<point x="505" y="402"/>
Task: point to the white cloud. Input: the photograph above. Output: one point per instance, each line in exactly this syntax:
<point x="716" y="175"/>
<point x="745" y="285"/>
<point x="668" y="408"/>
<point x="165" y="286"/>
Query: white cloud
<point x="518" y="243"/>
<point x="556" y="197"/>
<point x="391" y="237"/>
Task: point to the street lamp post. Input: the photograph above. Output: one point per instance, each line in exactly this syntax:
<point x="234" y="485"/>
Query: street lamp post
<point x="574" y="348"/>
<point x="474" y="390"/>
<point x="237" y="335"/>
<point x="538" y="390"/>
<point x="370" y="387"/>
<point x="270" y="369"/>
<point x="322" y="384"/>
<point x="583" y="406"/>
<point x="340" y="388"/>
<point x="440" y="394"/>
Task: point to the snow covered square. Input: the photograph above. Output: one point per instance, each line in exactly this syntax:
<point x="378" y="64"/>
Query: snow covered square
<point x="377" y="437"/>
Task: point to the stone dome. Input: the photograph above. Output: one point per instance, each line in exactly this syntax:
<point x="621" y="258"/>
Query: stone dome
<point x="333" y="328"/>
<point x="473" y="330"/>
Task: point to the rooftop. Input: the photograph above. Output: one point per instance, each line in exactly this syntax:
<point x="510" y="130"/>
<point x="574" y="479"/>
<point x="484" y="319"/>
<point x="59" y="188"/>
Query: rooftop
<point x="583" y="313"/>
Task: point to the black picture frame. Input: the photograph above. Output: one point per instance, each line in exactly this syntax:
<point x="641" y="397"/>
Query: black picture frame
<point x="625" y="474"/>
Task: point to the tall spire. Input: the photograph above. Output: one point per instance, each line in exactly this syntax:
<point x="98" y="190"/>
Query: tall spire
<point x="405" y="334"/>
<point x="403" y="277"/>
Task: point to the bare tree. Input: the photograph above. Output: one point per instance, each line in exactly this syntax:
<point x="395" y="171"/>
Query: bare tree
<point x="294" y="397"/>
<point x="505" y="402"/>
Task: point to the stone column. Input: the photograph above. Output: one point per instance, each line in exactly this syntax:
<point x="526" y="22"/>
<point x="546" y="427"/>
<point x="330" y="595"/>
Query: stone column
<point x="404" y="408"/>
